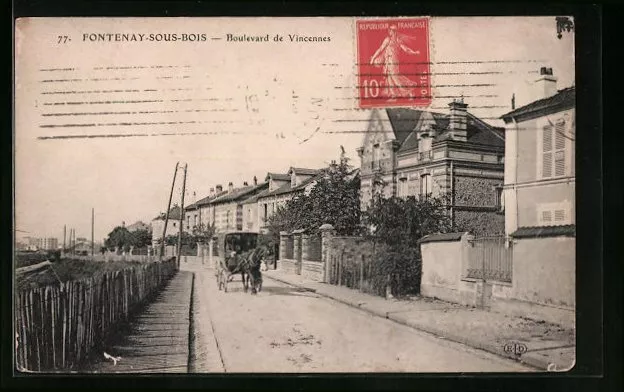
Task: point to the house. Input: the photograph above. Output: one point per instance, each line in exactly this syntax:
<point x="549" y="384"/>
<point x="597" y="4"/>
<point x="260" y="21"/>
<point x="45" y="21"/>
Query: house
<point x="409" y="152"/>
<point x="158" y="224"/>
<point x="222" y="208"/>
<point x="228" y="208"/>
<point x="202" y="212"/>
<point x="139" y="225"/>
<point x="539" y="194"/>
<point x="281" y="188"/>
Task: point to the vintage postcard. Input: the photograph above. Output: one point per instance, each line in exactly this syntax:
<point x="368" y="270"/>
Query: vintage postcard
<point x="294" y="195"/>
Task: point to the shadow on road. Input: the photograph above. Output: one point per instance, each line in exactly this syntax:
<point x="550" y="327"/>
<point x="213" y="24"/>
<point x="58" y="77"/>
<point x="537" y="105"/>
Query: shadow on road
<point x="289" y="291"/>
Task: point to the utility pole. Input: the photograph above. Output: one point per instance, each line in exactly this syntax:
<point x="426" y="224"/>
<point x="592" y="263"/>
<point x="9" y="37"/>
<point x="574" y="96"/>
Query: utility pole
<point x="92" y="227"/>
<point x="64" y="236"/>
<point x="181" y="216"/>
<point x="162" y="246"/>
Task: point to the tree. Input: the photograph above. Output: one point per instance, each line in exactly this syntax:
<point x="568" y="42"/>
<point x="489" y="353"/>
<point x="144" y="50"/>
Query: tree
<point x="402" y="222"/>
<point x="120" y="237"/>
<point x="334" y="199"/>
<point x="396" y="225"/>
<point x="140" y="238"/>
<point x="203" y="233"/>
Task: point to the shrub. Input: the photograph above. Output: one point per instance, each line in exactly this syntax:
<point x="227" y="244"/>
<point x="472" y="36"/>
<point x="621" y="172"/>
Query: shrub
<point x="398" y="267"/>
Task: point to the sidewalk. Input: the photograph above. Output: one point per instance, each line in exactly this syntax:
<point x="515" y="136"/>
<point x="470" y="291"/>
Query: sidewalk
<point x="548" y="346"/>
<point x="157" y="339"/>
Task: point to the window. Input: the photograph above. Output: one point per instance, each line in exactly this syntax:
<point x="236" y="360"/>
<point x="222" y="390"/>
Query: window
<point x="402" y="191"/>
<point x="375" y="163"/>
<point x="265" y="217"/>
<point x="425" y="185"/>
<point x="500" y="198"/>
<point x="554" y="150"/>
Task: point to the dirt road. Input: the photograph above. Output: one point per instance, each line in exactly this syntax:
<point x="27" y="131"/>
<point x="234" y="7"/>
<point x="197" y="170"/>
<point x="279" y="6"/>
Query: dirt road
<point x="285" y="329"/>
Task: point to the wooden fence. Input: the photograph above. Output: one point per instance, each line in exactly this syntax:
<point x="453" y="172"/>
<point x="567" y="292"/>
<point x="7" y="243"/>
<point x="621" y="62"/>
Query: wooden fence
<point x="57" y="326"/>
<point x="352" y="271"/>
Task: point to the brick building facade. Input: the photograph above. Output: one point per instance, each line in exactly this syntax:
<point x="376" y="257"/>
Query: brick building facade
<point x="409" y="152"/>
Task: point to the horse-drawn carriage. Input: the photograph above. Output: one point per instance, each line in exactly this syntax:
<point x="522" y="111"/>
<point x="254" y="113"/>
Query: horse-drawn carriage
<point x="241" y="254"/>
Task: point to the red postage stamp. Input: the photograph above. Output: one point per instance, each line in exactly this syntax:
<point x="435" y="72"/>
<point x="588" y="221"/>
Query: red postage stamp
<point x="393" y="62"/>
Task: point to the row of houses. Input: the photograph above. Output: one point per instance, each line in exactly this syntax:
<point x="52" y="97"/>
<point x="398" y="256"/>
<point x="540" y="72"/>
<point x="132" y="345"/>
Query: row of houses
<point x="245" y="208"/>
<point x="510" y="180"/>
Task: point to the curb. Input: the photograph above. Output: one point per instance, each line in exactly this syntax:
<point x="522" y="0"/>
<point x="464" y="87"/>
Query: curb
<point x="529" y="360"/>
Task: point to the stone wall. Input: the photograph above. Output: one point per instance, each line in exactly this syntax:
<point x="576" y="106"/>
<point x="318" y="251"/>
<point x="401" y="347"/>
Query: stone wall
<point x="313" y="270"/>
<point x="478" y="222"/>
<point x="542" y="287"/>
<point x="475" y="191"/>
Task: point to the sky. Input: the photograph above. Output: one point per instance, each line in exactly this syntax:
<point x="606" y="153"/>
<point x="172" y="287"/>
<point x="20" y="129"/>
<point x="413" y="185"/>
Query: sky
<point x="229" y="110"/>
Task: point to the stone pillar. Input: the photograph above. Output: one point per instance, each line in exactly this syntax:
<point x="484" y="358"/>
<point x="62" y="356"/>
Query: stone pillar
<point x="283" y="243"/>
<point x="297" y="251"/>
<point x="327" y="233"/>
<point x="210" y="252"/>
<point x="465" y="249"/>
<point x="305" y="246"/>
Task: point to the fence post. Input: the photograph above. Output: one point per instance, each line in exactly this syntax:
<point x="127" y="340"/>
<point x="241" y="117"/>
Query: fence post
<point x="305" y="246"/>
<point x="297" y="250"/>
<point x="327" y="233"/>
<point x="283" y="244"/>
<point x="210" y="252"/>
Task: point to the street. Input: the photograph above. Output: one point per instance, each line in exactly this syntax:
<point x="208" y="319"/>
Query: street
<point x="286" y="329"/>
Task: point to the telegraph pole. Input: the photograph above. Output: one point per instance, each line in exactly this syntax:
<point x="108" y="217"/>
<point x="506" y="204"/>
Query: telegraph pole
<point x="181" y="216"/>
<point x="64" y="236"/>
<point x="92" y="227"/>
<point x="162" y="246"/>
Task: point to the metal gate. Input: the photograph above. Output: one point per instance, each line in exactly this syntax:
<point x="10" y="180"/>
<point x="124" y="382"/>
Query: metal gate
<point x="490" y="259"/>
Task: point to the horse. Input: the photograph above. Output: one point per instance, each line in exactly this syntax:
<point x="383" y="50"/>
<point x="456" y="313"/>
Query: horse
<point x="254" y="260"/>
<point x="236" y="264"/>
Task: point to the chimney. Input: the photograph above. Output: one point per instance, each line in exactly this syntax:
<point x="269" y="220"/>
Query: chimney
<point x="219" y="188"/>
<point x="245" y="183"/>
<point x="458" y="120"/>
<point x="212" y="191"/>
<point x="546" y="85"/>
<point x="230" y="187"/>
<point x="255" y="180"/>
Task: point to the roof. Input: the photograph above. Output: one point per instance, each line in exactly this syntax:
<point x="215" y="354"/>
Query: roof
<point x="287" y="188"/>
<point x="564" y="99"/>
<point x="405" y="122"/>
<point x="545" y="231"/>
<point x="278" y="176"/>
<point x="208" y="199"/>
<point x="441" y="237"/>
<point x="137" y="225"/>
<point x="304" y="171"/>
<point x="174" y="213"/>
<point x="238" y="193"/>
<point x="255" y="198"/>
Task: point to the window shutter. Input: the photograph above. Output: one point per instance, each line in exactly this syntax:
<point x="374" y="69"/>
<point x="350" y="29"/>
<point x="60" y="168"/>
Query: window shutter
<point x="560" y="167"/>
<point x="546" y="216"/>
<point x="547" y="151"/>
